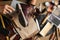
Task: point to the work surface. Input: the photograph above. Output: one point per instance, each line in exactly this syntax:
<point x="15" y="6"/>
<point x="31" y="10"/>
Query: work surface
<point x="39" y="38"/>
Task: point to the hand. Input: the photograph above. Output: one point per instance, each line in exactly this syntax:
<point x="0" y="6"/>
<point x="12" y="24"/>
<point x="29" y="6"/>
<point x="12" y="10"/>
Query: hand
<point x="49" y="10"/>
<point x="8" y="9"/>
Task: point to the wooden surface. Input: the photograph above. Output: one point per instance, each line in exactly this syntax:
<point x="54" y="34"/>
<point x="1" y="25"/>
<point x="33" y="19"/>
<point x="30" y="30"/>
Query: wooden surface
<point x="39" y="38"/>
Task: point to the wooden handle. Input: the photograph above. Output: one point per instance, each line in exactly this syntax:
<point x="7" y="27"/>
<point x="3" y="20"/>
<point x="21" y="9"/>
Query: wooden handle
<point x="2" y="21"/>
<point x="45" y="30"/>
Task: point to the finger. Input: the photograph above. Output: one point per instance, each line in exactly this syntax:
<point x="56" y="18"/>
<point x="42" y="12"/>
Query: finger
<point x="5" y="11"/>
<point x="11" y="8"/>
<point x="6" y="7"/>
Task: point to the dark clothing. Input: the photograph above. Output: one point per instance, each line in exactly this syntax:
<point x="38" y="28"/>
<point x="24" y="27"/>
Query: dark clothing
<point x="27" y="9"/>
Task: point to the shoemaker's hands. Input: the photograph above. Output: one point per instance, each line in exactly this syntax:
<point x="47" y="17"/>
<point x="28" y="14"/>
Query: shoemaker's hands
<point x="8" y="9"/>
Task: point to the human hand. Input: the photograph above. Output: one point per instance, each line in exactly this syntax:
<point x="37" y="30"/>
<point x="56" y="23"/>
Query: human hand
<point x="8" y="9"/>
